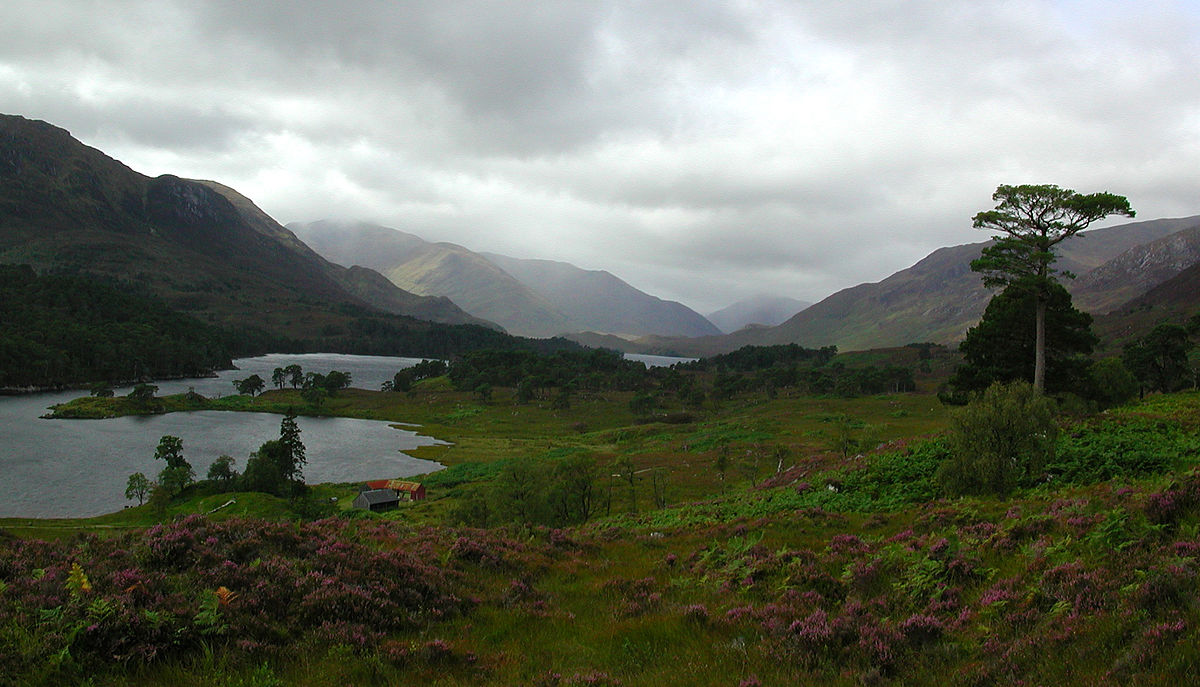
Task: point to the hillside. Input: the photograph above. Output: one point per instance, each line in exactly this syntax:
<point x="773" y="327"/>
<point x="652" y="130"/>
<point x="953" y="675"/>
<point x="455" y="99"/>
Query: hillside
<point x="68" y="330"/>
<point x="598" y="301"/>
<point x="1175" y="300"/>
<point x="936" y="300"/>
<point x="365" y="284"/>
<point x="437" y="269"/>
<point x="1136" y="271"/>
<point x="201" y="247"/>
<point x="527" y="297"/>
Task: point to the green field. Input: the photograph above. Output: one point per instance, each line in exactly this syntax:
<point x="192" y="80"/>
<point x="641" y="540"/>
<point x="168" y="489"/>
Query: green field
<point x="823" y="553"/>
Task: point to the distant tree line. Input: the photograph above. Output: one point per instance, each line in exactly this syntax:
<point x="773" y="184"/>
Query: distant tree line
<point x="593" y="370"/>
<point x="558" y="375"/>
<point x="754" y="358"/>
<point x="791" y="366"/>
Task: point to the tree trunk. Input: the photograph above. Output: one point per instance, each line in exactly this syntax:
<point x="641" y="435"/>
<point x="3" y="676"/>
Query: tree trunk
<point x="1039" y="356"/>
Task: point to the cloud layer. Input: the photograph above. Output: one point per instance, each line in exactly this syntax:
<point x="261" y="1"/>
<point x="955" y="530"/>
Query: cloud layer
<point x="703" y="151"/>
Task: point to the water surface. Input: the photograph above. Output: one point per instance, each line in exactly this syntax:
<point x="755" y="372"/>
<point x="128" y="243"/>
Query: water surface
<point x="76" y="468"/>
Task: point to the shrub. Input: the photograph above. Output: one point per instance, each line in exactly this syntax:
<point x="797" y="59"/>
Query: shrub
<point x="1112" y="383"/>
<point x="999" y="441"/>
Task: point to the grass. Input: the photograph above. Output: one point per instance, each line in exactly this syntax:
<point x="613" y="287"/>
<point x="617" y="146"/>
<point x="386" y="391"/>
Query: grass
<point x="1075" y="583"/>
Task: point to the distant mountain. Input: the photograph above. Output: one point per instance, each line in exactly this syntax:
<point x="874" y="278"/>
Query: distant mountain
<point x="935" y="300"/>
<point x="202" y="247"/>
<point x="596" y="300"/>
<point x="437" y="269"/>
<point x="527" y="297"/>
<point x="368" y="285"/>
<point x="763" y="309"/>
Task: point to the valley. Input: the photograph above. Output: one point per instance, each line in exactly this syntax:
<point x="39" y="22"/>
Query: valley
<point x="831" y="493"/>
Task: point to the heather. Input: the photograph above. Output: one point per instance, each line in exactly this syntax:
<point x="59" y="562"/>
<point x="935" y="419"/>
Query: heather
<point x="828" y="551"/>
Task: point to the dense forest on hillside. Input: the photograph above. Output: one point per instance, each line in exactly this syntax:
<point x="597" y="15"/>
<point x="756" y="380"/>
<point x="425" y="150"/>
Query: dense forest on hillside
<point x="73" y="328"/>
<point x="61" y="330"/>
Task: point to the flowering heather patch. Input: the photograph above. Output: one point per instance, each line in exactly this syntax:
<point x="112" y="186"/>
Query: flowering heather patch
<point x="632" y="598"/>
<point x="256" y="586"/>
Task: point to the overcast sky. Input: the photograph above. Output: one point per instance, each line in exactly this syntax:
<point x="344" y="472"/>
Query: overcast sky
<point x="703" y="152"/>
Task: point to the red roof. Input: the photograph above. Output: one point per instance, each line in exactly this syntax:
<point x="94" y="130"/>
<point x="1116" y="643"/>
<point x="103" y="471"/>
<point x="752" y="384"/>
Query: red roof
<point x="395" y="485"/>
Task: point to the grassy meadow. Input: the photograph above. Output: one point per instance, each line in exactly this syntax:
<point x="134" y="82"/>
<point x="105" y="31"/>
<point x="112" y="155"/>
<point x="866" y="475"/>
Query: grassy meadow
<point x="786" y="540"/>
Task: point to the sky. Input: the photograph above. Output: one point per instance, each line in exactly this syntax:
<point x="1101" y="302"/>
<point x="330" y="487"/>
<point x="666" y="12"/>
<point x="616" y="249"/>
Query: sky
<point x="702" y="151"/>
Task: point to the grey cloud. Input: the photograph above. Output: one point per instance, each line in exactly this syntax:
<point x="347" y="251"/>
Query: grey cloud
<point x="696" y="149"/>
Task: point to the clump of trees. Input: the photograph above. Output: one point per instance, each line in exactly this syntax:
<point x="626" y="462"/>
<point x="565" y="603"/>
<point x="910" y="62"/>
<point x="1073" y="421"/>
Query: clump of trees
<point x="558" y="377"/>
<point x="1159" y="360"/>
<point x="791" y="366"/>
<point x="551" y="492"/>
<point x="1002" y="347"/>
<point x="292" y="374"/>
<point x="426" y="369"/>
<point x="277" y="467"/>
<point x="252" y="385"/>
<point x="178" y="473"/>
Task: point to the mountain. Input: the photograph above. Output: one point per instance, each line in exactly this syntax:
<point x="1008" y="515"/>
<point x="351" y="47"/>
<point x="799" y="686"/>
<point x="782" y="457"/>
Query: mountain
<point x="935" y="300"/>
<point x="202" y="247"/>
<point x="527" y="297"/>
<point x="1136" y="271"/>
<point x="596" y="300"/>
<point x="763" y="309"/>
<point x="1175" y="300"/>
<point x="366" y="284"/>
<point x="437" y="269"/>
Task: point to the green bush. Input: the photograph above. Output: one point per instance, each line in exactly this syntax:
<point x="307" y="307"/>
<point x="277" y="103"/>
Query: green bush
<point x="1112" y="383"/>
<point x="999" y="441"/>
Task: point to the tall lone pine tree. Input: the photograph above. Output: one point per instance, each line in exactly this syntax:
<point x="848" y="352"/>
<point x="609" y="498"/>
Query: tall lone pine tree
<point x="1030" y="221"/>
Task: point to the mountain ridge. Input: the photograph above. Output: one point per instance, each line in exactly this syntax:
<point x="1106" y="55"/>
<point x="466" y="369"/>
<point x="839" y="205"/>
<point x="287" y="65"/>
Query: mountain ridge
<point x="528" y="297"/>
<point x="202" y="247"/>
<point x="935" y="300"/>
<point x="589" y="296"/>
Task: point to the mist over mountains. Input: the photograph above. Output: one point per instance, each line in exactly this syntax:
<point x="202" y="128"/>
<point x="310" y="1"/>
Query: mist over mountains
<point x="209" y="250"/>
<point x="527" y="297"/>
<point x="762" y="310"/>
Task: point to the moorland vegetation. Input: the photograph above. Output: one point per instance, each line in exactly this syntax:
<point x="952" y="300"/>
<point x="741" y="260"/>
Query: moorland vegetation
<point x="776" y="515"/>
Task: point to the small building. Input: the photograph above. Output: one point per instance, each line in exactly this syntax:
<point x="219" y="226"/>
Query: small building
<point x="404" y="489"/>
<point x="377" y="500"/>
